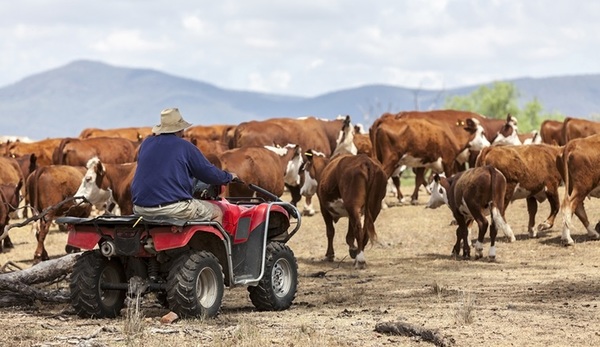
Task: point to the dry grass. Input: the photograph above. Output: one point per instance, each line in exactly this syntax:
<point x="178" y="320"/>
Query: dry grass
<point x="538" y="293"/>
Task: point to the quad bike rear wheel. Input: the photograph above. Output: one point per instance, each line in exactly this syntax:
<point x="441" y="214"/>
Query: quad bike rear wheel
<point x="277" y="288"/>
<point x="195" y="285"/>
<point x="91" y="271"/>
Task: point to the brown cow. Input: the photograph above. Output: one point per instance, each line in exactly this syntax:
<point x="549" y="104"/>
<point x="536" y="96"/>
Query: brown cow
<point x="104" y="183"/>
<point x="111" y="150"/>
<point x="471" y="195"/>
<point x="422" y="143"/>
<point x="220" y="132"/>
<point x="531" y="174"/>
<point x="348" y="186"/>
<point x="551" y="132"/>
<point x="11" y="174"/>
<point x="575" y="128"/>
<point x="211" y="139"/>
<point x="43" y="150"/>
<point x="9" y="200"/>
<point x="578" y="166"/>
<point x="48" y="187"/>
<point x="135" y="134"/>
<point x="267" y="167"/>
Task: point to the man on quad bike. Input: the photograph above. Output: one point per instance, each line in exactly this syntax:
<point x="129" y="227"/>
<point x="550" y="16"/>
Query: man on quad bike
<point x="166" y="168"/>
<point x="185" y="250"/>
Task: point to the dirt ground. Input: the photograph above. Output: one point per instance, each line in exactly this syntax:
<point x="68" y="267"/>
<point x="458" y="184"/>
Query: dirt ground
<point x="537" y="293"/>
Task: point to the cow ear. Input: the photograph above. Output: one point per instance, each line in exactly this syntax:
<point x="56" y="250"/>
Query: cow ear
<point x="99" y="169"/>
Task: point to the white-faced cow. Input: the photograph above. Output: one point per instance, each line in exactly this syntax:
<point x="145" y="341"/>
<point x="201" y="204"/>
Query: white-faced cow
<point x="106" y="183"/>
<point x="472" y="195"/>
<point x="578" y="166"/>
<point x="531" y="174"/>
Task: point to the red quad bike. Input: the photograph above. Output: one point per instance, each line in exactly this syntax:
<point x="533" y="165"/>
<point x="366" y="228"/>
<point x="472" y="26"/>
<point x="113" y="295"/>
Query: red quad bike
<point x="187" y="262"/>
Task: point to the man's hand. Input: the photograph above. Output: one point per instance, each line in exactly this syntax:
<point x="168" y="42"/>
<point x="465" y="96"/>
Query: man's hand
<point x="234" y="177"/>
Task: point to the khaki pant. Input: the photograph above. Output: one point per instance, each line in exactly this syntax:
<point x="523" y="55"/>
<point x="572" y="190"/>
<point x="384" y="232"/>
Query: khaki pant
<point x="189" y="209"/>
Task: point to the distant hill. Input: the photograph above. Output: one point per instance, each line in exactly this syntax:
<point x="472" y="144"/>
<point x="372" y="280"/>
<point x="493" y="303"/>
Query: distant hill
<point x="63" y="101"/>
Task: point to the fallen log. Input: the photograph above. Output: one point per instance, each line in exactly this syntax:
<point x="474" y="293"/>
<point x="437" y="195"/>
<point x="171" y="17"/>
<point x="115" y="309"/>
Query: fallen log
<point x="16" y="288"/>
<point x="406" y="329"/>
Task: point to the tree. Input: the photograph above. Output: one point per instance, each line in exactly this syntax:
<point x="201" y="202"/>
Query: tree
<point x="500" y="99"/>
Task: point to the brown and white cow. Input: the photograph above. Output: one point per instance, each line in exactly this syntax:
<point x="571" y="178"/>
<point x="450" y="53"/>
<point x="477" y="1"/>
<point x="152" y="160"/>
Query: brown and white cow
<point x="348" y="186"/>
<point x="135" y="134"/>
<point x="551" y="132"/>
<point x="471" y="195"/>
<point x="306" y="132"/>
<point x="105" y="183"/>
<point x="531" y="174"/>
<point x="578" y="166"/>
<point x="49" y="189"/>
<point x="422" y="143"/>
<point x="267" y="167"/>
<point x="111" y="150"/>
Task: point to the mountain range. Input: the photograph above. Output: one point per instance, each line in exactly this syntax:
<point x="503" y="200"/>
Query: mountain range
<point x="63" y="101"/>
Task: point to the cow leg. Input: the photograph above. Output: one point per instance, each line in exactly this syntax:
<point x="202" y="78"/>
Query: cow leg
<point x="567" y="212"/>
<point x="295" y="193"/>
<point x="553" y="200"/>
<point x="7" y="243"/>
<point x="483" y="225"/>
<point x="40" y="252"/>
<point x="396" y="183"/>
<point x="462" y="235"/>
<point x="493" y="234"/>
<point x="532" y="207"/>
<point x="330" y="229"/>
<point x="580" y="212"/>
<point x="419" y="180"/>
<point x="308" y="208"/>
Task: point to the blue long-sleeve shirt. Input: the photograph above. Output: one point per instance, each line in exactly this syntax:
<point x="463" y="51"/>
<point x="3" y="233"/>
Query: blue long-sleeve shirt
<point x="165" y="170"/>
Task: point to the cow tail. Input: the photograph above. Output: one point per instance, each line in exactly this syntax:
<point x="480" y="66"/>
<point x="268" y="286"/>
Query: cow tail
<point x="371" y="186"/>
<point x="562" y="163"/>
<point x="58" y="157"/>
<point x="497" y="219"/>
<point x="32" y="190"/>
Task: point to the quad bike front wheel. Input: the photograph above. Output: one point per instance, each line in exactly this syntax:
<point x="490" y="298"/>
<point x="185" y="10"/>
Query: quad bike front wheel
<point x="90" y="273"/>
<point x="277" y="288"/>
<point x="195" y="285"/>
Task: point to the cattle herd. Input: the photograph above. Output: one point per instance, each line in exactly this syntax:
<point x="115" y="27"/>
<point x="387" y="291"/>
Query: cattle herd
<point x="478" y="165"/>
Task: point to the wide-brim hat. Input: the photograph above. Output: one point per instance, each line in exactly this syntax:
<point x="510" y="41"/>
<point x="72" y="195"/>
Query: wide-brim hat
<point x="170" y="122"/>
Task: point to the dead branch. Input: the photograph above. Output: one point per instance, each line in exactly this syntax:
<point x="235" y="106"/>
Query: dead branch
<point x="41" y="215"/>
<point x="16" y="288"/>
<point x="406" y="329"/>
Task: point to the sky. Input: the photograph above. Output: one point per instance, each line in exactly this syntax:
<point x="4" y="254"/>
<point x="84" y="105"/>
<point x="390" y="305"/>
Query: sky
<point x="308" y="47"/>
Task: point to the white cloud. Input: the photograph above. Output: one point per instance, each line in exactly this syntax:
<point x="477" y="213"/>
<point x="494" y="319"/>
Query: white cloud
<point x="307" y="47"/>
<point x="126" y="40"/>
